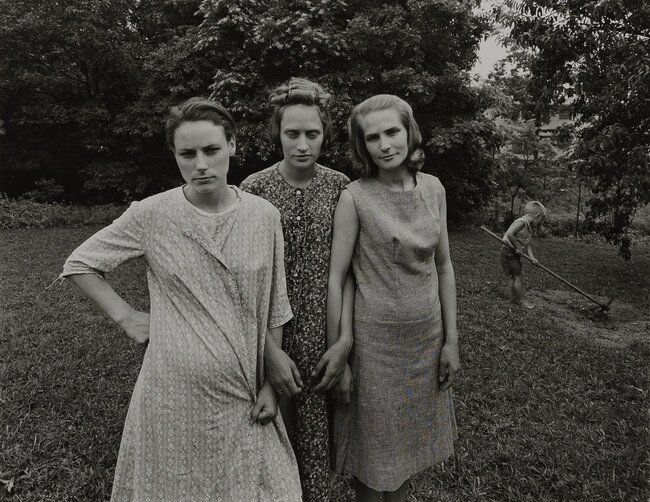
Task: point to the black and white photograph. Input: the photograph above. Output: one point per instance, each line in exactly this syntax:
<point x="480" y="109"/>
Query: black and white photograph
<point x="325" y="250"/>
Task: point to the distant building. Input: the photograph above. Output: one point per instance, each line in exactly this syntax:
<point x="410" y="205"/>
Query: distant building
<point x="561" y="117"/>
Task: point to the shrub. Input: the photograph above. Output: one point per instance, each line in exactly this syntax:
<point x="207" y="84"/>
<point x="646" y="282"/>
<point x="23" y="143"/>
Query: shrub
<point x="24" y="213"/>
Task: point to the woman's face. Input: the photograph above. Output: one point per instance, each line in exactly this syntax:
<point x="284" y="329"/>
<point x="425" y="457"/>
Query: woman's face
<point x="203" y="154"/>
<point x="301" y="135"/>
<point x="386" y="138"/>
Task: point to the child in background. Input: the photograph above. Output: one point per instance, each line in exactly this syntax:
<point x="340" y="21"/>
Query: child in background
<point x="519" y="237"/>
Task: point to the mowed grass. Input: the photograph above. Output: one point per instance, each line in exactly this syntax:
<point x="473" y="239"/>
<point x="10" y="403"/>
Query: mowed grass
<point x="544" y="413"/>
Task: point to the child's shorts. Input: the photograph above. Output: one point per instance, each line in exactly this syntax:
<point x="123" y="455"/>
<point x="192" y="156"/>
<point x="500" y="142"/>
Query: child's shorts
<point x="510" y="261"/>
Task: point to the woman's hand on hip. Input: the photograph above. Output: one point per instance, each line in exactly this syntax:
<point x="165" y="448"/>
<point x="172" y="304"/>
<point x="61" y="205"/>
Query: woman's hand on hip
<point x="136" y="325"/>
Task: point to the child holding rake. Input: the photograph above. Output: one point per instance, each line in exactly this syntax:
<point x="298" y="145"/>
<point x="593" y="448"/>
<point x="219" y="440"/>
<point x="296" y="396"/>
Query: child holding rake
<point x="517" y="241"/>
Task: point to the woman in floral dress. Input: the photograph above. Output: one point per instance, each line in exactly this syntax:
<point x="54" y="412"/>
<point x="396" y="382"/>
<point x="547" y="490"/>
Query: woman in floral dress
<point x="300" y="366"/>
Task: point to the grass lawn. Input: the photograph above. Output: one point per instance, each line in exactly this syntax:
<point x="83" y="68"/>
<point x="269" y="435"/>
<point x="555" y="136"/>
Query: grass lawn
<point x="551" y="403"/>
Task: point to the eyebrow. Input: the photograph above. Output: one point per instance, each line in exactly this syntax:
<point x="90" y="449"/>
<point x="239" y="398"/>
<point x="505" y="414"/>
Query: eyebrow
<point x="308" y="131"/>
<point x="374" y="135"/>
<point x="213" y="145"/>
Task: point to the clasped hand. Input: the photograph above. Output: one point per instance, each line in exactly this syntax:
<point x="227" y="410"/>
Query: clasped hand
<point x="332" y="365"/>
<point x="265" y="408"/>
<point x="281" y="371"/>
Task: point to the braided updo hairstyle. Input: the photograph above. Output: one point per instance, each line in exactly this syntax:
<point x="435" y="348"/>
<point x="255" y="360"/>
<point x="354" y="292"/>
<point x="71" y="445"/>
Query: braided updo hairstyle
<point x="299" y="92"/>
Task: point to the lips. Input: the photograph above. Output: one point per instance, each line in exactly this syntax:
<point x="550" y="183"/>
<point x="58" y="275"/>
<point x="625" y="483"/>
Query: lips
<point x="388" y="157"/>
<point x="204" y="178"/>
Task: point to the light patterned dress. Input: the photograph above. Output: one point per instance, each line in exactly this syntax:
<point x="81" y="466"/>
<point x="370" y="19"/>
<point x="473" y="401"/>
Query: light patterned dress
<point x="215" y="289"/>
<point x="307" y="216"/>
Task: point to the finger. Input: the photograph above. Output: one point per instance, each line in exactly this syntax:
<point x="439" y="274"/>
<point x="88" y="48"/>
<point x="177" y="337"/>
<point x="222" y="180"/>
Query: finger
<point x="296" y="375"/>
<point x="334" y="379"/>
<point x="442" y="373"/>
<point x="257" y="409"/>
<point x="453" y="371"/>
<point x="265" y="417"/>
<point x="345" y="396"/>
<point x="323" y="384"/>
<point x="319" y="366"/>
<point x="290" y="388"/>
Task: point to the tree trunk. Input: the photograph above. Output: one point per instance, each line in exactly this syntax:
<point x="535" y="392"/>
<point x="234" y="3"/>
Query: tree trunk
<point x="575" y="231"/>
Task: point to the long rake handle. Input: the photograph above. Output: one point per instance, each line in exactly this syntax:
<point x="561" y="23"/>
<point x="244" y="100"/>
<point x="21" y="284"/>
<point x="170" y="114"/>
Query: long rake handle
<point x="601" y="305"/>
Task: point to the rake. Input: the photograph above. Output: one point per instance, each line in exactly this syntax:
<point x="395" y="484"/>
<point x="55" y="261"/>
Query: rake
<point x="603" y="306"/>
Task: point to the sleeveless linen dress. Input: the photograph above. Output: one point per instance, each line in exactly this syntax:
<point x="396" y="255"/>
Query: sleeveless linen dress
<point x="398" y="421"/>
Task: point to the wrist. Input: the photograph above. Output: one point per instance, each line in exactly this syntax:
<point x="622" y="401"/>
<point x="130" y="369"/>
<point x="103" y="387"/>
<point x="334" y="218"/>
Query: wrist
<point x="344" y="343"/>
<point x="121" y="314"/>
<point x="452" y="341"/>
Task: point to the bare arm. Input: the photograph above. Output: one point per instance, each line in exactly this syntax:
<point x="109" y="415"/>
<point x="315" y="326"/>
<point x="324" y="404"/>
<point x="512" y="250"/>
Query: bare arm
<point x="449" y="358"/>
<point x="281" y="372"/>
<point x="529" y="253"/>
<point x="340" y="291"/>
<point x="511" y="235"/>
<point x="133" y="322"/>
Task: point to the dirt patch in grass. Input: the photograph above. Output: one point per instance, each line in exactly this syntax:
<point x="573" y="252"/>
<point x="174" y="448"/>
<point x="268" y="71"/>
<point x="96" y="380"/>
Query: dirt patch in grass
<point x="619" y="326"/>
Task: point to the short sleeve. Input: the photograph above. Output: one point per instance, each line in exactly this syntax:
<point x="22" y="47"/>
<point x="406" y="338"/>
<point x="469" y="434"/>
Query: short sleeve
<point x="249" y="186"/>
<point x="115" y="244"/>
<point x="279" y="308"/>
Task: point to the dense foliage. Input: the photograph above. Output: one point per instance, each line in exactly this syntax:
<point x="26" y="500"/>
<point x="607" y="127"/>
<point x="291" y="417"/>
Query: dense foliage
<point x="531" y="164"/>
<point x="419" y="50"/>
<point x="85" y="84"/>
<point x="596" y="54"/>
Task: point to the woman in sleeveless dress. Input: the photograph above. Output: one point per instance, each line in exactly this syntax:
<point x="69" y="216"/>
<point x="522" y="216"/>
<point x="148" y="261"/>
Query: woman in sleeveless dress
<point x="391" y="226"/>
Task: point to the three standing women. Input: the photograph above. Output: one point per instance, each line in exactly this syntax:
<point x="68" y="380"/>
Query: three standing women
<point x="306" y="193"/>
<point x="391" y="226"/>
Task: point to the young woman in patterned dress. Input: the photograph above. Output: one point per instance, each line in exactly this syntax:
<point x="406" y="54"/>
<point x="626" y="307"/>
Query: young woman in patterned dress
<point x="299" y="365"/>
<point x="201" y="425"/>
<point x="391" y="226"/>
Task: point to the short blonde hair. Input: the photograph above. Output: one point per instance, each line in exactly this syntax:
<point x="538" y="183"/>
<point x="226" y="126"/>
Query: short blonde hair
<point x="535" y="207"/>
<point x="379" y="103"/>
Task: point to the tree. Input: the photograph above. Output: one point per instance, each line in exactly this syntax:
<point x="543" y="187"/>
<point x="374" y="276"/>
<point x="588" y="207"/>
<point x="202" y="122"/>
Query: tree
<point x="84" y="85"/>
<point x="516" y="161"/>
<point x="419" y="50"/>
<point x="596" y="53"/>
<point x="80" y="94"/>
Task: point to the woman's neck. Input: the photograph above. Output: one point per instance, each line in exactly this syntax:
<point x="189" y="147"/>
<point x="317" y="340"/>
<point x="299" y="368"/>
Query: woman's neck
<point x="398" y="180"/>
<point x="299" y="178"/>
<point x="217" y="201"/>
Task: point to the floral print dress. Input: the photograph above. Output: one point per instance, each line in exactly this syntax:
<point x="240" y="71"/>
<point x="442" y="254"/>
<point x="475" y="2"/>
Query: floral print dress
<point x="307" y="217"/>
